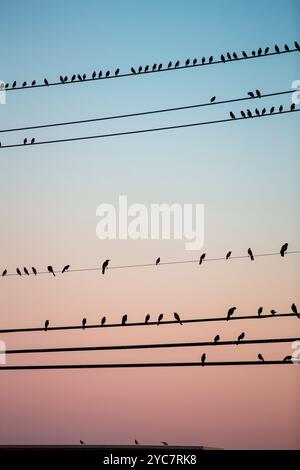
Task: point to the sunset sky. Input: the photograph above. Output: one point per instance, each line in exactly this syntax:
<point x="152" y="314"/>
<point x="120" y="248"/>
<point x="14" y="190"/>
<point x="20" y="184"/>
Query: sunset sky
<point x="246" y="173"/>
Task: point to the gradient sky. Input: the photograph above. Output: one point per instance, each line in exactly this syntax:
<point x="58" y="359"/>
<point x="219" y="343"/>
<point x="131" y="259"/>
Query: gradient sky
<point x="246" y="174"/>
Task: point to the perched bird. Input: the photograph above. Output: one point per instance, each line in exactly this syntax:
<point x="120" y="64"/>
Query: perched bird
<point x="234" y="55"/>
<point x="25" y="141"/>
<point x="164" y="443"/>
<point x="136" y="442"/>
<point x="263" y="111"/>
<point x="83" y="323"/>
<point x="293" y="106"/>
<point x="117" y="72"/>
<point x="232" y="115"/>
<point x="132" y="70"/>
<point x="94" y="75"/>
<point x="24" y="84"/>
<point x="50" y="270"/>
<point x="73" y="78"/>
<point x="273" y="311"/>
<point x="34" y="270"/>
<point x="283" y="249"/>
<point x="194" y="61"/>
<point x="160" y="66"/>
<point x="203" y="357"/>
<point x="216" y="338"/>
<point x="177" y="317"/>
<point x="147" y="318"/>
<point x="260" y="357"/>
<point x="243" y="114"/>
<point x="213" y="99"/>
<point x="249" y="114"/>
<point x="223" y="58"/>
<point x="287" y="359"/>
<point x="65" y="268"/>
<point x="4" y="272"/>
<point x="202" y="258"/>
<point x="294" y="309"/>
<point x="169" y="65"/>
<point x="46" y="324"/>
<point x="259" y="52"/>
<point x="81" y="442"/>
<point x="157" y="261"/>
<point x="124" y="319"/>
<point x="105" y="265"/>
<point x="14" y="84"/>
<point x="251" y="94"/>
<point x="154" y="67"/>
<point x="33" y="83"/>
<point x="203" y="60"/>
<point x="259" y="311"/>
<point x="146" y="68"/>
<point x="257" y="112"/>
<point x="230" y="312"/>
<point x="26" y="271"/>
<point x="177" y="64"/>
<point x="140" y="69"/>
<point x="229" y="56"/>
<point x="286" y="47"/>
<point x="61" y="79"/>
<point x="100" y="74"/>
<point x="228" y="255"/>
<point x="18" y="272"/>
<point x="245" y="55"/>
<point x="84" y="76"/>
<point x="277" y="49"/>
<point x="32" y="141"/>
<point x="240" y="337"/>
<point x="107" y="74"/>
<point x="250" y="253"/>
<point x="187" y="62"/>
<point x="272" y="110"/>
<point x="210" y="59"/>
<point x="267" y="49"/>
<point x="103" y="320"/>
<point x="253" y="53"/>
<point x="297" y="46"/>
<point x="79" y="77"/>
<point x="160" y="317"/>
<point x="258" y="93"/>
<point x="46" y="82"/>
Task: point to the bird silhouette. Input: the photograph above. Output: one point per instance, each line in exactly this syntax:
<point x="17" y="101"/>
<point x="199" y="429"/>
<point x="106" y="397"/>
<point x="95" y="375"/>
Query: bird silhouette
<point x="147" y="318"/>
<point x="177" y="317"/>
<point x="232" y="115"/>
<point x="160" y="67"/>
<point x="46" y="324"/>
<point x="124" y="319"/>
<point x="249" y="114"/>
<point x="203" y="357"/>
<point x="203" y="60"/>
<point x="50" y="270"/>
<point x="117" y="72"/>
<point x="24" y="84"/>
<point x="258" y="93"/>
<point x="230" y="312"/>
<point x="14" y="84"/>
<point x="34" y="270"/>
<point x="33" y="83"/>
<point x="169" y="65"/>
<point x="81" y="442"/>
<point x="18" y="272"/>
<point x="32" y="141"/>
<point x="280" y="108"/>
<point x="103" y="320"/>
<point x="94" y="75"/>
<point x="210" y="59"/>
<point x="272" y="110"/>
<point x="26" y="271"/>
<point x="250" y="253"/>
<point x="61" y="79"/>
<point x="105" y="265"/>
<point x="240" y="337"/>
<point x="84" y="76"/>
<point x="273" y="311"/>
<point x="243" y="114"/>
<point x="294" y="309"/>
<point x="267" y="49"/>
<point x="46" y="82"/>
<point x="146" y="68"/>
<point x="283" y="249"/>
<point x="257" y="112"/>
<point x="223" y="58"/>
<point x="277" y="49"/>
<point x="287" y="359"/>
<point x="187" y="62"/>
<point x="259" y="311"/>
<point x="202" y="258"/>
<point x="107" y="74"/>
<point x="263" y="111"/>
<point x="245" y="55"/>
<point x="136" y="442"/>
<point x="160" y="317"/>
<point x="217" y="338"/>
<point x="259" y="52"/>
<point x="140" y="69"/>
<point x="65" y="268"/>
<point x="73" y="78"/>
<point x="132" y="70"/>
<point x="229" y="56"/>
<point x="79" y="77"/>
<point x="177" y="64"/>
<point x="157" y="261"/>
<point x="234" y="55"/>
<point x="253" y="53"/>
<point x="25" y="141"/>
<point x="164" y="443"/>
<point x="260" y="357"/>
<point x="4" y="272"/>
<point x="154" y="67"/>
<point x="194" y="61"/>
<point x="213" y="99"/>
<point x="251" y="94"/>
<point x="286" y="47"/>
<point x="228" y="255"/>
<point x="297" y="46"/>
<point x="83" y="323"/>
<point x="293" y="106"/>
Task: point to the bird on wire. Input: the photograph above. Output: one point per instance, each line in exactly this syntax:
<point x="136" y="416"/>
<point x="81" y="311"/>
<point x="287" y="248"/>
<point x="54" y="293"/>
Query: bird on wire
<point x="250" y="253"/>
<point x="65" y="268"/>
<point x="259" y="311"/>
<point x="240" y="337"/>
<point x="273" y="312"/>
<point x="46" y="325"/>
<point x="213" y="99"/>
<point x="50" y="270"/>
<point x="283" y="249"/>
<point x="160" y="317"/>
<point x="232" y="115"/>
<point x="294" y="310"/>
<point x="203" y="358"/>
<point x="105" y="265"/>
<point x="216" y="339"/>
<point x="34" y="270"/>
<point x="157" y="261"/>
<point x="4" y="272"/>
<point x="83" y="323"/>
<point x="103" y="320"/>
<point x="124" y="319"/>
<point x="202" y="258"/>
<point x="177" y="317"/>
<point x="147" y="318"/>
<point x="230" y="312"/>
<point x="228" y="254"/>
<point x="260" y="357"/>
<point x="18" y="272"/>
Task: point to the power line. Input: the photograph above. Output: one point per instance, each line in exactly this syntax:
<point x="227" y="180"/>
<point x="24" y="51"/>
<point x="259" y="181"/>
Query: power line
<point x="144" y="113"/>
<point x="145" y="365"/>
<point x="150" y="346"/>
<point x="143" y="324"/>
<point x="153" y="265"/>
<point x="143" y="131"/>
<point x="143" y="72"/>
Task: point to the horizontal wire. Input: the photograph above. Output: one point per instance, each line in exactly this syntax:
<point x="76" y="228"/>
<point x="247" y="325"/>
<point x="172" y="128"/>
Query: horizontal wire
<point x="154" y="265"/>
<point x="147" y="364"/>
<point x="143" y="131"/>
<point x="144" y="113"/>
<point x="180" y="67"/>
<point x="143" y="324"/>
<point x="149" y="346"/>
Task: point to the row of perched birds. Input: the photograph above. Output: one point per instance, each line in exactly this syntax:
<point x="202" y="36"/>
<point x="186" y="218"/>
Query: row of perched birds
<point x="104" y="267"/>
<point x="178" y="319"/>
<point x="249" y="114"/>
<point x="227" y="57"/>
<point x="259" y="356"/>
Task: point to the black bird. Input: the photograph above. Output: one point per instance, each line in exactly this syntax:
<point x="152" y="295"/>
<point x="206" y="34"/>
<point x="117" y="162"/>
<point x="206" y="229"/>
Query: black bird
<point x="216" y="338"/>
<point x="50" y="270"/>
<point x="26" y="271"/>
<point x="250" y="253"/>
<point x="267" y="49"/>
<point x="177" y="64"/>
<point x="24" y="84"/>
<point x="140" y="69"/>
<point x="94" y="75"/>
<point x="297" y="46"/>
<point x="243" y="114"/>
<point x="249" y="114"/>
<point x="146" y="68"/>
<point x="6" y="85"/>
<point x="258" y="93"/>
<point x="18" y="271"/>
<point x="83" y="323"/>
<point x="84" y="76"/>
<point x="46" y="324"/>
<point x="100" y="74"/>
<point x="194" y="61"/>
<point x="229" y="56"/>
<point x="160" y="66"/>
<point x="228" y="255"/>
<point x="104" y="265"/>
<point x="213" y="99"/>
<point x="34" y="270"/>
<point x="157" y="261"/>
<point x="61" y="79"/>
<point x="160" y="317"/>
<point x="272" y="110"/>
<point x="202" y="258"/>
<point x="65" y="268"/>
<point x="187" y="62"/>
<point x="32" y="141"/>
<point x="273" y="311"/>
<point x="259" y="311"/>
<point x="147" y="318"/>
<point x="203" y="60"/>
<point x="294" y="309"/>
<point x="223" y="58"/>
<point x="253" y="53"/>
<point x="257" y="112"/>
<point x="132" y="70"/>
<point x="103" y="320"/>
<point x="46" y="82"/>
<point x="263" y="111"/>
<point x="232" y="115"/>
<point x="164" y="443"/>
<point x="14" y="84"/>
<point x="4" y="272"/>
<point x="124" y="319"/>
<point x="154" y="67"/>
<point x="81" y="442"/>
<point x="203" y="357"/>
<point x="117" y="72"/>
<point x="234" y="55"/>
<point x="244" y="55"/>
<point x="177" y="317"/>
<point x="136" y="442"/>
<point x="277" y="49"/>
<point x="293" y="106"/>
<point x="65" y="79"/>
<point x="283" y="249"/>
<point x="79" y="78"/>
<point x="260" y="357"/>
<point x="25" y="141"/>
<point x="251" y="94"/>
<point x="230" y="312"/>
<point x="259" y="52"/>
<point x="210" y="59"/>
<point x="107" y="74"/>
<point x="73" y="78"/>
<point x="240" y="337"/>
<point x="33" y="83"/>
<point x="287" y="48"/>
<point x="287" y="359"/>
<point x="169" y="65"/>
